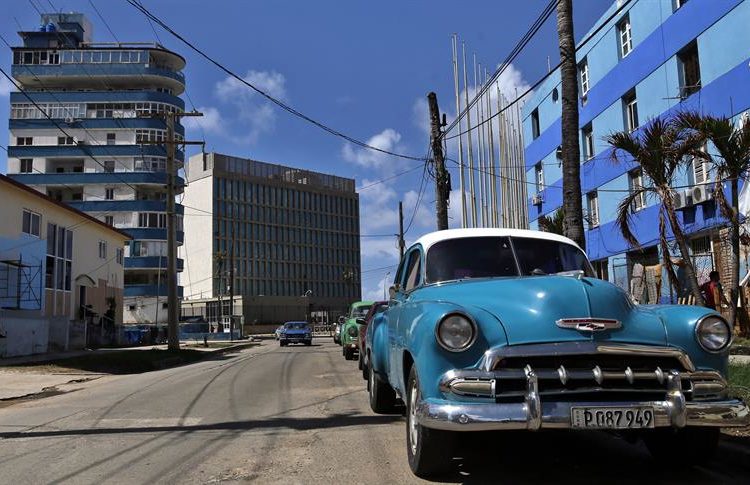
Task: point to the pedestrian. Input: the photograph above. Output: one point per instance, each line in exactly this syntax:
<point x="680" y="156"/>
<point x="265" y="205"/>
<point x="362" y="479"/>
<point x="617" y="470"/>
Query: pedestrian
<point x="713" y="293"/>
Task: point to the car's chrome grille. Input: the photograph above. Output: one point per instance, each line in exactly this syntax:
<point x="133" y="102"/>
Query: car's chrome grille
<point x="568" y="377"/>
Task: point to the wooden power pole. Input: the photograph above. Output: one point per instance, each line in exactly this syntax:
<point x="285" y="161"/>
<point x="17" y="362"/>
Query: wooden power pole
<point x="171" y="147"/>
<point x="442" y="182"/>
<point x="401" y="242"/>
<point x="571" y="154"/>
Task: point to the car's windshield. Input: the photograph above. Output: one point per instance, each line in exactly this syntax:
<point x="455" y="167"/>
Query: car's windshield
<point x="295" y="325"/>
<point x="360" y="311"/>
<point x="484" y="257"/>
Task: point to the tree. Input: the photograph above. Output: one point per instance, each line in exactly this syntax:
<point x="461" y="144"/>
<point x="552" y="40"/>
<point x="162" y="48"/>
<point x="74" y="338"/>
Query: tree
<point x="659" y="151"/>
<point x="553" y="223"/>
<point x="571" y="160"/>
<point x="732" y="163"/>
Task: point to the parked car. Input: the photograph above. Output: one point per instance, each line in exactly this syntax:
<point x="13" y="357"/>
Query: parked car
<point x="337" y="330"/>
<point x="350" y="329"/>
<point x="376" y="309"/>
<point x="497" y="329"/>
<point x="278" y="330"/>
<point x="295" y="333"/>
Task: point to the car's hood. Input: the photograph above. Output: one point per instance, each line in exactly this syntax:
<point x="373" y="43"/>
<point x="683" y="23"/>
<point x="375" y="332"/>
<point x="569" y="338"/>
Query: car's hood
<point x="529" y="308"/>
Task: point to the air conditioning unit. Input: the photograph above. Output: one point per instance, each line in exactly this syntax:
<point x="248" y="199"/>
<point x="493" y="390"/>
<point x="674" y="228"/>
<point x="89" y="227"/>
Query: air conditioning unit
<point x="680" y="198"/>
<point x="69" y="119"/>
<point x="537" y="199"/>
<point x="702" y="193"/>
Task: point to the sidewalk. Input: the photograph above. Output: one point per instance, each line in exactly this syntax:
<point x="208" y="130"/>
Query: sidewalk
<point x="19" y="382"/>
<point x="739" y="359"/>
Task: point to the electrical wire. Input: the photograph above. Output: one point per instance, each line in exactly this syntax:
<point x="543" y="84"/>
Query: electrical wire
<point x="270" y="98"/>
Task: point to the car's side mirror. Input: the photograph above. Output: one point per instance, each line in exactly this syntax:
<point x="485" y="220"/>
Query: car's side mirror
<point x="361" y="321"/>
<point x="393" y="290"/>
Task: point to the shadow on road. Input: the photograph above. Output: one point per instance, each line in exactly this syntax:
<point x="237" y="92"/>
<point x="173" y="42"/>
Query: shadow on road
<point x="300" y="424"/>
<point x="567" y="457"/>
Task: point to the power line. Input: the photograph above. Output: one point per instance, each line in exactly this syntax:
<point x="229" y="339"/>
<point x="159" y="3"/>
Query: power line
<point x="378" y="182"/>
<point x="538" y="82"/>
<point x="106" y="24"/>
<point x="275" y="101"/>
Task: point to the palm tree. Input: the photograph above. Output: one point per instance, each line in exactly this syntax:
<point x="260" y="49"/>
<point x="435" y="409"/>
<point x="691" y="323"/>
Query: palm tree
<point x="553" y="223"/>
<point x="571" y="163"/>
<point x="732" y="163"/>
<point x="659" y="150"/>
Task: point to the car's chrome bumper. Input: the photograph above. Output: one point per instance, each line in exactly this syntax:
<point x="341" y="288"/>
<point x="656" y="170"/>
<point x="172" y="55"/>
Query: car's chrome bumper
<point x="473" y="416"/>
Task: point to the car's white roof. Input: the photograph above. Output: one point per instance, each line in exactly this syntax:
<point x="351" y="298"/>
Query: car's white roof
<point x="433" y="237"/>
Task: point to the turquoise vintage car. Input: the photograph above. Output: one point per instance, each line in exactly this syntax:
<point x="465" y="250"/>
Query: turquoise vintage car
<point x="495" y="329"/>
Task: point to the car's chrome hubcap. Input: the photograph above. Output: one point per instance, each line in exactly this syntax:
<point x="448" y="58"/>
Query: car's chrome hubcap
<point x="413" y="434"/>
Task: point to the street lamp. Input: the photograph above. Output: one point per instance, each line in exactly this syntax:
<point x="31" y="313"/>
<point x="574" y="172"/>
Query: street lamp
<point x="385" y="282"/>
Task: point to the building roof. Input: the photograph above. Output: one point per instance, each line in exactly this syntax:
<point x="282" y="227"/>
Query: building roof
<point x="433" y="237"/>
<point x="36" y="193"/>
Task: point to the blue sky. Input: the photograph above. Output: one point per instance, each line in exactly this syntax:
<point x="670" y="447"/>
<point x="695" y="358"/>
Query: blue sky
<point x="363" y="68"/>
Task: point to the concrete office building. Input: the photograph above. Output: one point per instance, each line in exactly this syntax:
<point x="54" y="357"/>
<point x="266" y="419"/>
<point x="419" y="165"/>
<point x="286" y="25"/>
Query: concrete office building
<point x="59" y="268"/>
<point x="291" y="235"/>
<point x="104" y="97"/>
<point x="652" y="58"/>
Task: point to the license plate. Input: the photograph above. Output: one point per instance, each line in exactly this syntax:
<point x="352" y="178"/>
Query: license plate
<point x="612" y="417"/>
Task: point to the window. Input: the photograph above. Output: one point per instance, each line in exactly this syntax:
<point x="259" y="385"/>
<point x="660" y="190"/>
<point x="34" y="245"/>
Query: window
<point x="59" y="256"/>
<point x="630" y="110"/>
<point x="109" y="166"/>
<point x="636" y="183"/>
<point x="32" y="223"/>
<point x="587" y="134"/>
<point x="66" y="140"/>
<point x="119" y="256"/>
<point x="625" y="37"/>
<point x="413" y="271"/>
<point x="592" y="199"/>
<point x="535" y="124"/>
<point x="109" y="220"/>
<point x="690" y="70"/>
<point x="109" y="194"/>
<point x="102" y="250"/>
<point x="539" y="176"/>
<point x="678" y="4"/>
<point x="152" y="219"/>
<point x="24" y="140"/>
<point x="27" y="165"/>
<point x="583" y="76"/>
<point x="601" y="269"/>
<point x="111" y="137"/>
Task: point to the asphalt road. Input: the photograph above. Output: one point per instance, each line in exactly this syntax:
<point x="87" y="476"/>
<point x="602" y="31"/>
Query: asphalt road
<point x="282" y="415"/>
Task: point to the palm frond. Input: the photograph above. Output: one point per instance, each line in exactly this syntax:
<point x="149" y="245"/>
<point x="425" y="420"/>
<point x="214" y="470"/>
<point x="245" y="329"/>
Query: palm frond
<point x="625" y="217"/>
<point x="664" y="243"/>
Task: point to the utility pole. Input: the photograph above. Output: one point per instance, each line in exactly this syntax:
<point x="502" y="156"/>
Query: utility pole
<point x="442" y="182"/>
<point x="170" y="144"/>
<point x="401" y="242"/>
<point x="571" y="161"/>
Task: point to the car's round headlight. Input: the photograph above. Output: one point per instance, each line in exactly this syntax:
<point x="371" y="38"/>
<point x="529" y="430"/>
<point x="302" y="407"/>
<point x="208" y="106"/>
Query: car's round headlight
<point x="713" y="333"/>
<point x="352" y="331"/>
<point x="455" y="332"/>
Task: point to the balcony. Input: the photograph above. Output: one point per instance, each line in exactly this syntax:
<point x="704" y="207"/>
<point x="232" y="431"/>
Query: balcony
<point x="151" y="262"/>
<point x="151" y="234"/>
<point x="98" y="97"/>
<point x="124" y="206"/>
<point x="87" y="178"/>
<point x="114" y="124"/>
<point x="83" y="151"/>
<point x="150" y="290"/>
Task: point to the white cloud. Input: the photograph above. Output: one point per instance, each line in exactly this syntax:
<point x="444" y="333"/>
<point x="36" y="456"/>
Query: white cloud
<point x="455" y="215"/>
<point x="375" y="292"/>
<point x="388" y="139"/>
<point x="421" y="115"/>
<point x="5" y="87"/>
<point x="257" y="115"/>
<point x="211" y="121"/>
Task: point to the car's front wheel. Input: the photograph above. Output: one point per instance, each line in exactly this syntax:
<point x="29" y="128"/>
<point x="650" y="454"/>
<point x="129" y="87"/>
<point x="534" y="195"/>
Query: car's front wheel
<point x="382" y="398"/>
<point x="692" y="446"/>
<point x="429" y="450"/>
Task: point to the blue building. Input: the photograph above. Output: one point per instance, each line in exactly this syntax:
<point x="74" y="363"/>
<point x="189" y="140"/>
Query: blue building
<point x="644" y="59"/>
<point x="104" y="96"/>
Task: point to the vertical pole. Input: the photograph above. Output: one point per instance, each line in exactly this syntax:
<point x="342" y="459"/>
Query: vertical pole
<point x="480" y="145"/>
<point x="493" y="179"/>
<point x="500" y="159"/>
<point x="401" y="242"/>
<point x="472" y="194"/>
<point x="441" y="175"/>
<point x="174" y="337"/>
<point x="460" y="138"/>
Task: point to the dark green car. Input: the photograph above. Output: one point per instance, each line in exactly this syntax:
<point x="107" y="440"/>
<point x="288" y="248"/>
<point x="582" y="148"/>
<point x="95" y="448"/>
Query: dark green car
<point x="350" y="329"/>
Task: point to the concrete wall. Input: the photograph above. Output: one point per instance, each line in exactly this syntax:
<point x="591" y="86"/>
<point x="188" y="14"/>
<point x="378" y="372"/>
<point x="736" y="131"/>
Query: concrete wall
<point x="22" y="334"/>
<point x="197" y="250"/>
